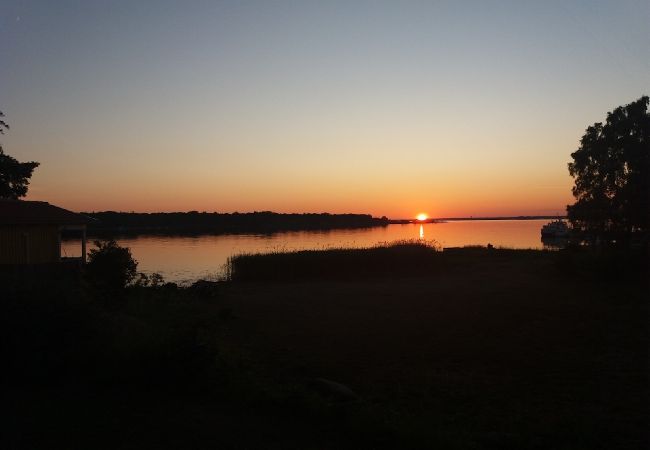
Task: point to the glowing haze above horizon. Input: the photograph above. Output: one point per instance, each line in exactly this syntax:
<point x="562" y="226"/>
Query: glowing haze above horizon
<point x="389" y="108"/>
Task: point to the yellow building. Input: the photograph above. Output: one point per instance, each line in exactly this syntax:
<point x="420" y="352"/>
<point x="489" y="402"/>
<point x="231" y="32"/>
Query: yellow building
<point x="30" y="232"/>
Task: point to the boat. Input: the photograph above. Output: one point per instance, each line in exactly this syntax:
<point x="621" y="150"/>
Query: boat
<point x="556" y="229"/>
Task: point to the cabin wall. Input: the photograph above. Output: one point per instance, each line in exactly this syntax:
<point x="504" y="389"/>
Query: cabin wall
<point x="36" y="244"/>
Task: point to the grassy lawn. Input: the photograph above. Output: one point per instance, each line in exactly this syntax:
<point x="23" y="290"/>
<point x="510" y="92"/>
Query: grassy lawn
<point x="463" y="349"/>
<point x="489" y="348"/>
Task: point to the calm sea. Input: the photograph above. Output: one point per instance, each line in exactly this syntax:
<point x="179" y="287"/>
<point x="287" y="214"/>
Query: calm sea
<point x="185" y="259"/>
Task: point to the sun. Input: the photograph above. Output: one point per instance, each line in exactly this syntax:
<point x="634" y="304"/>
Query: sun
<point x="422" y="217"/>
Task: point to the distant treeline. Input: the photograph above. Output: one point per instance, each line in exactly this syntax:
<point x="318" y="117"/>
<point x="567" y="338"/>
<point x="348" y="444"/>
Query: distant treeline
<point x="204" y="222"/>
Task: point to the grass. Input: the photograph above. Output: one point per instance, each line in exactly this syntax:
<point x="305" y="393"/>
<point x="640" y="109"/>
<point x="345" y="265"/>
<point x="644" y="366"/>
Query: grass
<point x="467" y="349"/>
<point x="395" y="259"/>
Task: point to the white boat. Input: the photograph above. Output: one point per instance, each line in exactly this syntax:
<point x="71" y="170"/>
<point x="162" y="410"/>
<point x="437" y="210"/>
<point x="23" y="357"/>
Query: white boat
<point x="557" y="228"/>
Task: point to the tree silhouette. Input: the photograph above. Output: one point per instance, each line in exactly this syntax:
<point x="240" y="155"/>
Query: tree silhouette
<point x="3" y="126"/>
<point x="14" y="175"/>
<point x="612" y="176"/>
<point x="111" y="267"/>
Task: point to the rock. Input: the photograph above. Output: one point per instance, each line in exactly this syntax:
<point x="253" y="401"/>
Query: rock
<point x="334" y="390"/>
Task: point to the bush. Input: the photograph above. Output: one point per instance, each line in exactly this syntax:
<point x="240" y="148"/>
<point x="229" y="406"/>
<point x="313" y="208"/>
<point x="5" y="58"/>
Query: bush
<point x="155" y="280"/>
<point x="110" y="267"/>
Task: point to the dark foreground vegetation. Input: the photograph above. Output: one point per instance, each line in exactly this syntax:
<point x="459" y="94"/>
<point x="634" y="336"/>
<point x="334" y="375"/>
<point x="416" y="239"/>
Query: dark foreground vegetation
<point x="110" y="222"/>
<point x="394" y="347"/>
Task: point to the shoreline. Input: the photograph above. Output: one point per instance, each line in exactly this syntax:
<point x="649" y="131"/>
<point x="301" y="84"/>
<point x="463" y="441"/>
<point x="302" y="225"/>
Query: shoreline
<point x="465" y="219"/>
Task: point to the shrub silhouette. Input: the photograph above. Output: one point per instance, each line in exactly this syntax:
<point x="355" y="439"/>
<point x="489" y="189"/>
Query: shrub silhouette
<point x="110" y="267"/>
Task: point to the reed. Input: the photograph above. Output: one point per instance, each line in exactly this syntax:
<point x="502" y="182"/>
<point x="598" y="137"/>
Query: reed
<point x="395" y="259"/>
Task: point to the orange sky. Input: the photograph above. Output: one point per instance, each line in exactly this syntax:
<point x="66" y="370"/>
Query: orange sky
<point x="450" y="109"/>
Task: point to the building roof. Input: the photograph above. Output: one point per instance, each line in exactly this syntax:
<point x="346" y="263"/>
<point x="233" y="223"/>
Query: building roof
<point x="21" y="212"/>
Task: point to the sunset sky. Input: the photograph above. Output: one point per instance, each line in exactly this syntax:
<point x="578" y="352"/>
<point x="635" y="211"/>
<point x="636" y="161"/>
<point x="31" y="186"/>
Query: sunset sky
<point x="390" y="108"/>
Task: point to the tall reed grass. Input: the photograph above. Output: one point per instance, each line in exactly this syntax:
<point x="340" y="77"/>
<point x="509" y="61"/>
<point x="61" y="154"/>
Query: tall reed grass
<point x="399" y="258"/>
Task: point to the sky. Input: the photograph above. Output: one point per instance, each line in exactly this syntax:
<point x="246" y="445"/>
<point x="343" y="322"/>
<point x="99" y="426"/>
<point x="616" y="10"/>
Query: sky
<point x="452" y="108"/>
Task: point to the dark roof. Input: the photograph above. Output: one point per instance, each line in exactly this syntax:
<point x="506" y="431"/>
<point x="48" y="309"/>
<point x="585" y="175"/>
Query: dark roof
<point x="21" y="212"/>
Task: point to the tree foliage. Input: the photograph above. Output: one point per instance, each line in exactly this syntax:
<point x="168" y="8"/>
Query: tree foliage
<point x="14" y="175"/>
<point x="3" y="126"/>
<point x="111" y="267"/>
<point x="611" y="171"/>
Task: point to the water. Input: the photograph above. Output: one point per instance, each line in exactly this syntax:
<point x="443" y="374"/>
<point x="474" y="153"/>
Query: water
<point x="187" y="258"/>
